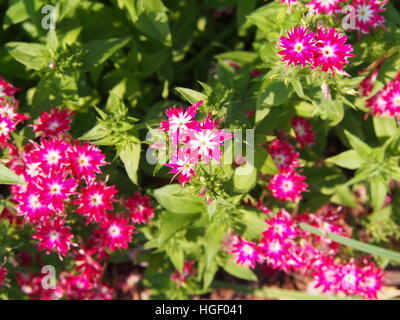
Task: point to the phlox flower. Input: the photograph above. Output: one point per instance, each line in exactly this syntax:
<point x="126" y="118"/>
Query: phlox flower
<point x="368" y="15"/>
<point x="94" y="200"/>
<point x="325" y="6"/>
<point x="370" y="282"/>
<point x="85" y="160"/>
<point x="288" y="2"/>
<point x="87" y="263"/>
<point x="53" y="235"/>
<point x="331" y="51"/>
<point x="180" y="121"/>
<point x="31" y="206"/>
<point x="206" y="142"/>
<point x="6" y="127"/>
<point x="6" y="88"/>
<point x="284" y="154"/>
<point x="302" y="127"/>
<point x="183" y="164"/>
<point x="299" y="46"/>
<point x="115" y="233"/>
<point x="54" y="123"/>
<point x="56" y="188"/>
<point x="392" y="98"/>
<point x="287" y="186"/>
<point x="140" y="208"/>
<point x="281" y="226"/>
<point x="3" y="273"/>
<point x="51" y="154"/>
<point x="246" y="253"/>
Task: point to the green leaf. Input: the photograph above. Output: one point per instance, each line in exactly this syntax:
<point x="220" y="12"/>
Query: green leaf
<point x="99" y="131"/>
<point x="244" y="7"/>
<point x="152" y="20"/>
<point x="355" y="244"/>
<point x="32" y="55"/>
<point x="171" y="222"/>
<point x="378" y="192"/>
<point x="254" y="223"/>
<point x="239" y="271"/>
<point x="15" y="13"/>
<point x="361" y="147"/>
<point x="349" y="159"/>
<point x="176" y="199"/>
<point x="98" y="51"/>
<point x="130" y="155"/>
<point x="275" y="94"/>
<point x="177" y="257"/>
<point x="384" y="127"/>
<point x="190" y="95"/>
<point x="9" y="177"/>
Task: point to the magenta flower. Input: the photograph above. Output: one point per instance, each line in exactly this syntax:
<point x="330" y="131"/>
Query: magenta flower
<point x="3" y="273"/>
<point x="85" y="161"/>
<point x="140" y="208"/>
<point x="6" y="88"/>
<point x="284" y="155"/>
<point x="331" y="51"/>
<point x="288" y="186"/>
<point x="53" y="235"/>
<point x="299" y="46"/>
<point x="56" y="188"/>
<point x="188" y="270"/>
<point x="51" y="154"/>
<point x="94" y="200"/>
<point x="305" y="135"/>
<point x="246" y="253"/>
<point x="183" y="164"/>
<point x="180" y="121"/>
<point x="115" y="233"/>
<point x="52" y="124"/>
<point x="6" y="127"/>
<point x="325" y="6"/>
<point x="368" y="15"/>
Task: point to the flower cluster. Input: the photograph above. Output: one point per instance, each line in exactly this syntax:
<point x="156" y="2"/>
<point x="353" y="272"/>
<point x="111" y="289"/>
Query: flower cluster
<point x="365" y="13"/>
<point x="192" y="141"/>
<point x="63" y="186"/>
<point x="9" y="117"/>
<point x="326" y="48"/>
<point x="285" y="246"/>
<point x="386" y="102"/>
<point x="288" y="185"/>
<point x="3" y="273"/>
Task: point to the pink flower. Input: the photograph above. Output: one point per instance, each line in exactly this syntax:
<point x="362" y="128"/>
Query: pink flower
<point x="53" y="235"/>
<point x="51" y="154"/>
<point x="370" y="282"/>
<point x="115" y="233"/>
<point x="31" y="206"/>
<point x="368" y="15"/>
<point x="392" y="98"/>
<point x="288" y="186"/>
<point x="180" y="121"/>
<point x="284" y="154"/>
<point x="181" y="277"/>
<point x="281" y="226"/>
<point x="207" y="141"/>
<point x="140" y="208"/>
<point x="85" y="160"/>
<point x="6" y="127"/>
<point x="6" y="88"/>
<point x="3" y="273"/>
<point x="331" y="51"/>
<point x="183" y="165"/>
<point x="94" y="201"/>
<point x="246" y="253"/>
<point x="299" y="46"/>
<point x="52" y="124"/>
<point x="325" y="6"/>
<point x="368" y="83"/>
<point x="87" y="264"/>
<point x="56" y="188"/>
<point x="303" y="130"/>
